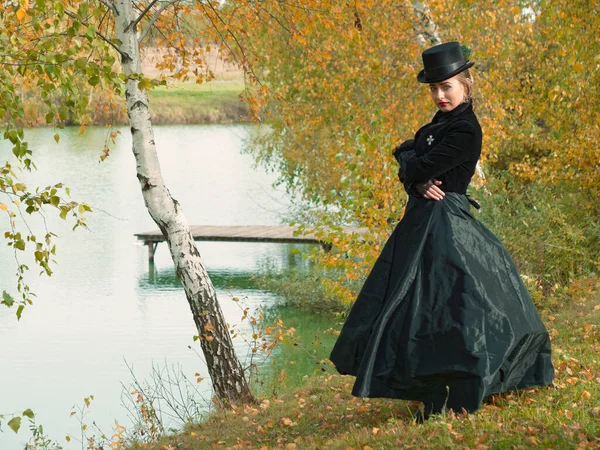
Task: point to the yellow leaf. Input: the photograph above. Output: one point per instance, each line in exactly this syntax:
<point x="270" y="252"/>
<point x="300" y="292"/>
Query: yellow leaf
<point x="21" y="13"/>
<point x="586" y="394"/>
<point x="287" y="421"/>
<point x="3" y="207"/>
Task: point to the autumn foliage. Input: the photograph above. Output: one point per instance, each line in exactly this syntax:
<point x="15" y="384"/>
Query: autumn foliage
<point x="340" y="82"/>
<point x="335" y="83"/>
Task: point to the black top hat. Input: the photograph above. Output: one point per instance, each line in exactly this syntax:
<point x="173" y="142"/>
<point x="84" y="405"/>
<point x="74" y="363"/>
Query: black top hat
<point x="442" y="62"/>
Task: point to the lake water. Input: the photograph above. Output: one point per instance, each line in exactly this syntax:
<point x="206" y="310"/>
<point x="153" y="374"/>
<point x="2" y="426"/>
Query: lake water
<point x="104" y="305"/>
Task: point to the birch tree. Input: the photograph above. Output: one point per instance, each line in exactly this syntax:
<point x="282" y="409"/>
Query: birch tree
<point x="225" y="370"/>
<point x="55" y="45"/>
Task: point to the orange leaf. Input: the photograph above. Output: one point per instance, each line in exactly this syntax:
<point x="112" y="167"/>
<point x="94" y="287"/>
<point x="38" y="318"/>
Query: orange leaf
<point x="287" y="421"/>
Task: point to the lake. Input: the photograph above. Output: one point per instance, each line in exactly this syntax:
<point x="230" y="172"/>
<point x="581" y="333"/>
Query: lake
<point x="105" y="308"/>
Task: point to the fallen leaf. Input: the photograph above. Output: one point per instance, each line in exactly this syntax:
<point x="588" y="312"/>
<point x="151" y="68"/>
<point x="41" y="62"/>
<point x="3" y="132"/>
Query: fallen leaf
<point x="287" y="421"/>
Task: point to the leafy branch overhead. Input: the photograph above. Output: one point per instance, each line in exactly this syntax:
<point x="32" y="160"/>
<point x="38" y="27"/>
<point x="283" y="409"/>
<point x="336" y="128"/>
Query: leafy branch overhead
<point x="340" y="98"/>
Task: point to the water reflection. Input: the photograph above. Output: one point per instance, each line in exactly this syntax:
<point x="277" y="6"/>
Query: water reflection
<point x="102" y="306"/>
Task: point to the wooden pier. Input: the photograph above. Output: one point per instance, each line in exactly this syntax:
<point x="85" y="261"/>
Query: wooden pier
<point x="276" y="234"/>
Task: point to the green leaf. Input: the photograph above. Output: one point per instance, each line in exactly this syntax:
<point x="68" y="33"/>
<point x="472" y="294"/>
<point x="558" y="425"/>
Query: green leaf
<point x="55" y="201"/>
<point x="63" y="112"/>
<point x="83" y="10"/>
<point x="144" y="84"/>
<point x="50" y="117"/>
<point x="80" y="63"/>
<point x="90" y="33"/>
<point x="20" y="245"/>
<point x="7" y="299"/>
<point x="28" y="413"/>
<point x="83" y="207"/>
<point x="94" y="80"/>
<point x="15" y="424"/>
<point x="19" y="312"/>
<point x="57" y="137"/>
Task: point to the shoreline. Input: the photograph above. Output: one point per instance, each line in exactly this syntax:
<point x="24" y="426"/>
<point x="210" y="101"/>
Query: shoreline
<point x="216" y="102"/>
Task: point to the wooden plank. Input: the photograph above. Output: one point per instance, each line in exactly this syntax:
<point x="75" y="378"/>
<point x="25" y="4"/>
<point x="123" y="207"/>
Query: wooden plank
<point x="281" y="233"/>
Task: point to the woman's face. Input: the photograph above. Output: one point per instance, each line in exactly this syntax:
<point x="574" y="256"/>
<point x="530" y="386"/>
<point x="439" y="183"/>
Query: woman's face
<point x="447" y="94"/>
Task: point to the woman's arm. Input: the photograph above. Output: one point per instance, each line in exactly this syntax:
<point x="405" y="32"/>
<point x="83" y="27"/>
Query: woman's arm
<point x="456" y="147"/>
<point x="403" y="147"/>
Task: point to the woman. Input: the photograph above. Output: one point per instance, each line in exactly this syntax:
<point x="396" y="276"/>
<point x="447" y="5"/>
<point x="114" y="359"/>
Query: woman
<point x="443" y="317"/>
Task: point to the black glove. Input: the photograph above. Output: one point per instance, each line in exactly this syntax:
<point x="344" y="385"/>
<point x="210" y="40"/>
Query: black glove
<point x="422" y="188"/>
<point x="403" y="147"/>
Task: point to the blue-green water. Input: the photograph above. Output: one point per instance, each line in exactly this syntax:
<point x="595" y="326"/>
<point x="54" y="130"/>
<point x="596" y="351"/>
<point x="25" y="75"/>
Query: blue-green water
<point x="104" y="305"/>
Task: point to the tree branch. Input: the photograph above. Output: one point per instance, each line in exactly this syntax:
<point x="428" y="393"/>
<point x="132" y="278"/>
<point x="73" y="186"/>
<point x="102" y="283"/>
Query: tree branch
<point x="134" y="24"/>
<point x="100" y="35"/>
<point x="110" y="6"/>
<point x="154" y="19"/>
<point x="244" y="63"/>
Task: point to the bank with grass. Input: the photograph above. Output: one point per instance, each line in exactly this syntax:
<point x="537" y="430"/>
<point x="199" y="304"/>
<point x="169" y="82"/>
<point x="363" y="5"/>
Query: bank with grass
<point x="190" y="103"/>
<point x="215" y="102"/>
<point x="321" y="413"/>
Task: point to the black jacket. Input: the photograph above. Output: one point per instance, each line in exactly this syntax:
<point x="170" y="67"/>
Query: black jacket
<point x="446" y="149"/>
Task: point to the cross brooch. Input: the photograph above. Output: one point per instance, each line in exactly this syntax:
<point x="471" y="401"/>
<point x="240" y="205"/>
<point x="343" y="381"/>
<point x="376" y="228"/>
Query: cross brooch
<point x="429" y="139"/>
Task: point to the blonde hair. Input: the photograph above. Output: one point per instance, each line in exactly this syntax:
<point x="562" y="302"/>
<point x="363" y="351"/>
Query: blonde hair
<point x="466" y="79"/>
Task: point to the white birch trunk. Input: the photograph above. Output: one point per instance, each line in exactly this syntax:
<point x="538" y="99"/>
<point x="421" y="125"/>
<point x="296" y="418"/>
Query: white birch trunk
<point x="427" y="34"/>
<point x="227" y="375"/>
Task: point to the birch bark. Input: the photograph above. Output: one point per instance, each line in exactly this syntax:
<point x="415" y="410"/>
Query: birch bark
<point x="427" y="34"/>
<point x="228" y="379"/>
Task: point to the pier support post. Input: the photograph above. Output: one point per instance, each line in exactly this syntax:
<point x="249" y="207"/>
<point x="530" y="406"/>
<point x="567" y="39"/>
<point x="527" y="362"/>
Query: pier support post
<point x="151" y="250"/>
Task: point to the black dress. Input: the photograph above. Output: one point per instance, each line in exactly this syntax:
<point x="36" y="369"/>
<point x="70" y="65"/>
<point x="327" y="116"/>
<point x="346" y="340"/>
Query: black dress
<point x="443" y="317"/>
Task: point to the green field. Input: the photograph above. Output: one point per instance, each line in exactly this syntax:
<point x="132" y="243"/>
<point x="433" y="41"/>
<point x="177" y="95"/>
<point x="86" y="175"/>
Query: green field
<point x="188" y="103"/>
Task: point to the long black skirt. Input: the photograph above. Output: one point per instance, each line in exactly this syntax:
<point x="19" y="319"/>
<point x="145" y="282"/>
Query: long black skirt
<point x="444" y="316"/>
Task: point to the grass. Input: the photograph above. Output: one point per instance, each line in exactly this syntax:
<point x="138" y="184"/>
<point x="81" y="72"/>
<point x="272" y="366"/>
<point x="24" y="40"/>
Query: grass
<point x="176" y="104"/>
<point x="321" y="414"/>
<point x="300" y="289"/>
<point x="187" y="103"/>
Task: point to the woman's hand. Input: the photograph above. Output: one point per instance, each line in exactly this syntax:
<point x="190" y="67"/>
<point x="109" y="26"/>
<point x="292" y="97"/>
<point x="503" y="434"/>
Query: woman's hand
<point x="430" y="190"/>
